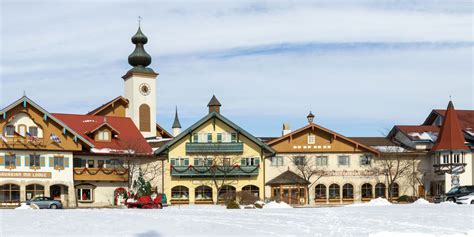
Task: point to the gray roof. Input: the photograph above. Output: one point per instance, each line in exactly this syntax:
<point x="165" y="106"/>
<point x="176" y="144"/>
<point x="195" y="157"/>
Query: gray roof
<point x="176" y="123"/>
<point x="288" y="177"/>
<point x="206" y="118"/>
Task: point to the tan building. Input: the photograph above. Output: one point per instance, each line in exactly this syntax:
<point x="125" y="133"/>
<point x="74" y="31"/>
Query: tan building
<point x="213" y="160"/>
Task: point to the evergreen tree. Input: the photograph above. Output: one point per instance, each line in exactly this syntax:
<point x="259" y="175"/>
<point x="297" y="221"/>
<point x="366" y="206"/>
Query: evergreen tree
<point x="142" y="187"/>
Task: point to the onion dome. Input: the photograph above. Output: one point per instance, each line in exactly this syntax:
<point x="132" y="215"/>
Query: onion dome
<point x="139" y="57"/>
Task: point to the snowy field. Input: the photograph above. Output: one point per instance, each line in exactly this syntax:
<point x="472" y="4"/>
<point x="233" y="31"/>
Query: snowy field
<point x="393" y="220"/>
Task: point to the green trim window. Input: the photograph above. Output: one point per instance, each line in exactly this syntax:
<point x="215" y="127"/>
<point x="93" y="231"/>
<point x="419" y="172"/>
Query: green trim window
<point x="321" y="161"/>
<point x="233" y="137"/>
<point x="10" y="160"/>
<point x="343" y="161"/>
<point x="219" y="137"/>
<point x="195" y="137"/>
<point x="180" y="161"/>
<point x="249" y="161"/>
<point x="209" y="137"/>
<point x="202" y="161"/>
<point x="35" y="160"/>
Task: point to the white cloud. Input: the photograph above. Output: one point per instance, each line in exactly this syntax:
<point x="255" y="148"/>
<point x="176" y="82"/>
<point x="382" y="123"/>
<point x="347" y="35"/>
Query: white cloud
<point x="78" y="51"/>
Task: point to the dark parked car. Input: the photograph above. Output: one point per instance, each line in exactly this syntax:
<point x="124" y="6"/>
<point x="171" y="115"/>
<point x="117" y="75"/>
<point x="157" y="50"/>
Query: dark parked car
<point x="45" y="203"/>
<point x="455" y="193"/>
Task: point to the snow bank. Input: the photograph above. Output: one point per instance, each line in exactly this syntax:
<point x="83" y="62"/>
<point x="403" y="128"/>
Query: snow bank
<point x="449" y="203"/>
<point x="23" y="206"/>
<point x="374" y="202"/>
<point x="421" y="201"/>
<point x="276" y="205"/>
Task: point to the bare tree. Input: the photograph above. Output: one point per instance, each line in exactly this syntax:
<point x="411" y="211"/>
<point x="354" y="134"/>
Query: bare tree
<point x="308" y="170"/>
<point x="392" y="165"/>
<point x="135" y="160"/>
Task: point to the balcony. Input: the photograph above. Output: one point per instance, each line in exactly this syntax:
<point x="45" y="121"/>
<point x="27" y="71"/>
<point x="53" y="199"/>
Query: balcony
<point x="100" y="174"/>
<point x="213" y="171"/>
<point x="221" y="147"/>
<point x="449" y="168"/>
<point x="22" y="142"/>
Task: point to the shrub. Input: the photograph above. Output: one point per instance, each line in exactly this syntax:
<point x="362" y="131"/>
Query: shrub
<point x="258" y="205"/>
<point x="406" y="198"/>
<point x="246" y="198"/>
<point x="233" y="205"/>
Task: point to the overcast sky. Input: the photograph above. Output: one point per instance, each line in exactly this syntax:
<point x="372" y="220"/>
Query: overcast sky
<point x="360" y="68"/>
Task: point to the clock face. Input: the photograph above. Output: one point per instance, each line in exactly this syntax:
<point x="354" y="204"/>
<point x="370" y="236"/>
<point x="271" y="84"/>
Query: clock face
<point x="144" y="89"/>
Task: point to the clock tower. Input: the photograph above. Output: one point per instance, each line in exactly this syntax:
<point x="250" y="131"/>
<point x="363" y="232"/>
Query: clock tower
<point x="140" y="88"/>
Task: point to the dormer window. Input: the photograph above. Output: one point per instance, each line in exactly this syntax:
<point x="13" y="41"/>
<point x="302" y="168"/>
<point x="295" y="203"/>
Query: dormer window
<point x="103" y="136"/>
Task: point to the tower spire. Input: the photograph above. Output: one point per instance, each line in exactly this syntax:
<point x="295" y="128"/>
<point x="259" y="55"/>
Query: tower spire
<point x="176" y="124"/>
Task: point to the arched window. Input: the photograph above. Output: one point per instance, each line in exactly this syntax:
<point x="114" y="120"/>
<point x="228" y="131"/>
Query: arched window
<point x="320" y="191"/>
<point x="203" y="193"/>
<point x="380" y="190"/>
<point x="227" y="192"/>
<point x="180" y="193"/>
<point x="367" y="191"/>
<point x="9" y="193"/>
<point x="394" y="192"/>
<point x="252" y="189"/>
<point x="34" y="190"/>
<point x="348" y="191"/>
<point x="144" y="117"/>
<point x="334" y="191"/>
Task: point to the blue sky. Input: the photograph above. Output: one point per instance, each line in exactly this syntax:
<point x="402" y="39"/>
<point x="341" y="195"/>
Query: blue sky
<point x="361" y="68"/>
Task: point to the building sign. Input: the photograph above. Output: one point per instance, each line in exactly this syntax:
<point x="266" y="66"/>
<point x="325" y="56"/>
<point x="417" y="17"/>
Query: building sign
<point x="13" y="174"/>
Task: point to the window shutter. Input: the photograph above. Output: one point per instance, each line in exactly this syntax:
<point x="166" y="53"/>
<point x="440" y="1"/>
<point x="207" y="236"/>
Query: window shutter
<point x="66" y="162"/>
<point x="42" y="161"/>
<point x="18" y="161"/>
<point x="257" y="161"/>
<point x="27" y="161"/>
<point x="51" y="162"/>
<point x="2" y="161"/>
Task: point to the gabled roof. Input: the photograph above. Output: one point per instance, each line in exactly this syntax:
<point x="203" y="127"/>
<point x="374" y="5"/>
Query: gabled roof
<point x="25" y="100"/>
<point x="129" y="137"/>
<point x="204" y="120"/>
<point x="104" y="124"/>
<point x="163" y="132"/>
<point x="450" y="135"/>
<point x="417" y="133"/>
<point x="465" y="117"/>
<point x="312" y="126"/>
<point x="104" y="106"/>
<point x="287" y="177"/>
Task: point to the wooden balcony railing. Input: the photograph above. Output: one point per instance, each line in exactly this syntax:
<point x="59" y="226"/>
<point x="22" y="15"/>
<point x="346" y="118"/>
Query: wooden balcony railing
<point x="100" y="174"/>
<point x="206" y="171"/>
<point x="216" y="147"/>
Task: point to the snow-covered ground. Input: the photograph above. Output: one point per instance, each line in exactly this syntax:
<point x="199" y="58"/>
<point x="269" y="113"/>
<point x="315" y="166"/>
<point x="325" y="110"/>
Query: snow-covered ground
<point x="388" y="220"/>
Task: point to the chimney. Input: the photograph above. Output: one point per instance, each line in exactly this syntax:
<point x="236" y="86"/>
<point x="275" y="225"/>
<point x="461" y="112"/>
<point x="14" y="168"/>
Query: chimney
<point x="286" y="129"/>
<point x="214" y="105"/>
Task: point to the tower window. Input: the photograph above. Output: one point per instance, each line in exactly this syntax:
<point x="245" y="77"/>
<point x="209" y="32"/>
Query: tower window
<point x="144" y="117"/>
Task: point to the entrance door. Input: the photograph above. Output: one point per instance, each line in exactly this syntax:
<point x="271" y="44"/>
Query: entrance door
<point x="59" y="192"/>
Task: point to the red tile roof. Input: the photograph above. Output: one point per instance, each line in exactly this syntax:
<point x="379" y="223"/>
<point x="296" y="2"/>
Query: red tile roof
<point x="128" y="137"/>
<point x="450" y="136"/>
<point x="465" y="117"/>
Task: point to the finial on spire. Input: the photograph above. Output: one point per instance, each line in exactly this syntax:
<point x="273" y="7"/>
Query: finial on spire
<point x="24" y="93"/>
<point x="139" y="20"/>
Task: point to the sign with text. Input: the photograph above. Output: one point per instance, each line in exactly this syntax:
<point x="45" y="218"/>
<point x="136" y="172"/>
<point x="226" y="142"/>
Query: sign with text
<point x="14" y="174"/>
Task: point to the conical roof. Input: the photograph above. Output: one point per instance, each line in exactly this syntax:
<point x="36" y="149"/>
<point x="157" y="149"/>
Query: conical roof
<point x="214" y="101"/>
<point x="176" y="123"/>
<point x="450" y="137"/>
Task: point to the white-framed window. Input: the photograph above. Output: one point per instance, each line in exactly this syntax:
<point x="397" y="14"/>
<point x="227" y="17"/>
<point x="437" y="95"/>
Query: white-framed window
<point x="180" y="161"/>
<point x="114" y="163"/>
<point x="202" y="137"/>
<point x="202" y="161"/>
<point x="311" y="139"/>
<point x="343" y="160"/>
<point x="457" y="158"/>
<point x="277" y="161"/>
<point x="365" y="160"/>
<point x="85" y="194"/>
<point x="103" y="136"/>
<point x="445" y="158"/>
<point x="249" y="161"/>
<point x="321" y="161"/>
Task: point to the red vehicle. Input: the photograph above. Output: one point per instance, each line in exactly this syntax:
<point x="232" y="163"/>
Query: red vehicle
<point x="146" y="202"/>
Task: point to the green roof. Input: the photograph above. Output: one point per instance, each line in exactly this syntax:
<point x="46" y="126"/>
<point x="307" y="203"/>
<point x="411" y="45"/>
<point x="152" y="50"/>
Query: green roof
<point x="206" y="118"/>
